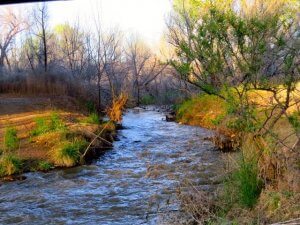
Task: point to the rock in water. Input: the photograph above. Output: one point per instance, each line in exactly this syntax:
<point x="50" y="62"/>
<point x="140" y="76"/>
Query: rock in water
<point x="171" y="116"/>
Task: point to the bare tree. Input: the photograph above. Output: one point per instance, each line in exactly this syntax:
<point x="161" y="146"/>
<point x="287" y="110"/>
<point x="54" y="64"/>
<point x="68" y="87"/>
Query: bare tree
<point x="72" y="46"/>
<point x="144" y="66"/>
<point x="10" y="26"/>
<point x="41" y="17"/>
<point x="112" y="53"/>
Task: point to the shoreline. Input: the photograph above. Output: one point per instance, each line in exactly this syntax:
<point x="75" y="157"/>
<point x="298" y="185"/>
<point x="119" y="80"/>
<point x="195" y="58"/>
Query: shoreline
<point x="43" y="134"/>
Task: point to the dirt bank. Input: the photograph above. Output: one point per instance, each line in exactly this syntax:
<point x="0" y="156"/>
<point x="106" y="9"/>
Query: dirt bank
<point x="47" y="130"/>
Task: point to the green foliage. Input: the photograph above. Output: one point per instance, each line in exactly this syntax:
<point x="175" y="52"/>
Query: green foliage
<point x="244" y="120"/>
<point x="229" y="49"/>
<point x="218" y="119"/>
<point x="147" y="100"/>
<point x="294" y="120"/>
<point x="243" y="186"/>
<point x="243" y="124"/>
<point x="184" y="107"/>
<point x="90" y="107"/>
<point x="44" y="166"/>
<point x="41" y="127"/>
<point x="56" y="123"/>
<point x="274" y="200"/>
<point x="68" y="154"/>
<point x="11" y="140"/>
<point x="204" y="110"/>
<point x="93" y="118"/>
<point x="44" y="126"/>
<point x="9" y="164"/>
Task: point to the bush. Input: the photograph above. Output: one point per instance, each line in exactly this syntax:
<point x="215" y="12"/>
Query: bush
<point x="11" y="140"/>
<point x="9" y="164"/>
<point x="243" y="186"/>
<point x="68" y="153"/>
<point x="204" y="110"/>
<point x="248" y="183"/>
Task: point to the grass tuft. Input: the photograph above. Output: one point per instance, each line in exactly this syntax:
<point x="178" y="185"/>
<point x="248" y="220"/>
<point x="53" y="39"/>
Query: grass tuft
<point x="243" y="186"/>
<point x="9" y="164"/>
<point x="56" y="123"/>
<point x="44" y="126"/>
<point x="11" y="140"/>
<point x="44" y="166"/>
<point x="68" y="153"/>
<point x="41" y="127"/>
<point x="93" y="118"/>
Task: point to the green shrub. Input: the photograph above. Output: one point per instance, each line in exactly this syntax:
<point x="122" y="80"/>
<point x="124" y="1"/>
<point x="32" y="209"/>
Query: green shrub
<point x="183" y="108"/>
<point x="295" y="121"/>
<point x="248" y="183"/>
<point x="204" y="110"/>
<point x="9" y="164"/>
<point x="11" y="140"/>
<point x="243" y="186"/>
<point x="218" y="119"/>
<point x="247" y="120"/>
<point x="68" y="153"/>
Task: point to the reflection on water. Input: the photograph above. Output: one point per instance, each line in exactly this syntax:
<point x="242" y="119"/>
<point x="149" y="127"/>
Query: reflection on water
<point x="134" y="183"/>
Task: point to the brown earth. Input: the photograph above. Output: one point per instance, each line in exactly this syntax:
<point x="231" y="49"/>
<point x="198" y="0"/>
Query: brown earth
<point x="21" y="113"/>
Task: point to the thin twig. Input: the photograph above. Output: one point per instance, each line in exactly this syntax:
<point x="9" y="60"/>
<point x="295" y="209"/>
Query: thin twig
<point x="95" y="138"/>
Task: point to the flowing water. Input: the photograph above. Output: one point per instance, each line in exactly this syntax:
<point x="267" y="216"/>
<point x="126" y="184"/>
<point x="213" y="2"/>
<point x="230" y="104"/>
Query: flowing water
<point x="133" y="183"/>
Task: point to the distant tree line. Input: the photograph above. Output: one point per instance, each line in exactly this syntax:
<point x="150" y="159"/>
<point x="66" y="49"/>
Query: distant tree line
<point x="102" y="62"/>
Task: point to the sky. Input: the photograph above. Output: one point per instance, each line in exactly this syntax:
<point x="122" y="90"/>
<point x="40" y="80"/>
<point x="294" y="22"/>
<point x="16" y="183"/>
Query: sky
<point x="145" y="18"/>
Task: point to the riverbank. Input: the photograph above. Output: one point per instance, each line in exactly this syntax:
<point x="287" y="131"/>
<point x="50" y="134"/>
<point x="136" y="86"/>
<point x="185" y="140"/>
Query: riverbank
<point x="262" y="184"/>
<point x="43" y="133"/>
<point x="135" y="182"/>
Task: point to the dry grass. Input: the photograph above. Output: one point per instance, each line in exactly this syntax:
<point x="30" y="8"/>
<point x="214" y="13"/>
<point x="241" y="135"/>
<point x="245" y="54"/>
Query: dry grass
<point x="278" y="205"/>
<point x="67" y="153"/>
<point x="276" y="155"/>
<point x="202" y="111"/>
<point x="45" y="84"/>
<point x="22" y="113"/>
<point x="9" y="164"/>
<point x="115" y="111"/>
<point x="196" y="202"/>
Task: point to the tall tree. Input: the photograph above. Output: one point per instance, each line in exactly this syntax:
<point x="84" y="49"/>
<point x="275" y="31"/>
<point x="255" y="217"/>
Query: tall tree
<point x="71" y="43"/>
<point x="10" y="25"/>
<point x="230" y="52"/>
<point x="41" y="19"/>
<point x="144" y="66"/>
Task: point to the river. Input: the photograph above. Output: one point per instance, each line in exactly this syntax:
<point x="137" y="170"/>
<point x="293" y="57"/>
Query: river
<point x="133" y="183"/>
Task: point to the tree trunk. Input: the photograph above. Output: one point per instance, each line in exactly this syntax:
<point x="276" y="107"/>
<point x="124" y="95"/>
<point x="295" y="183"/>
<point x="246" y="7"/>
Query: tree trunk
<point x="45" y="51"/>
<point x="99" y="92"/>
